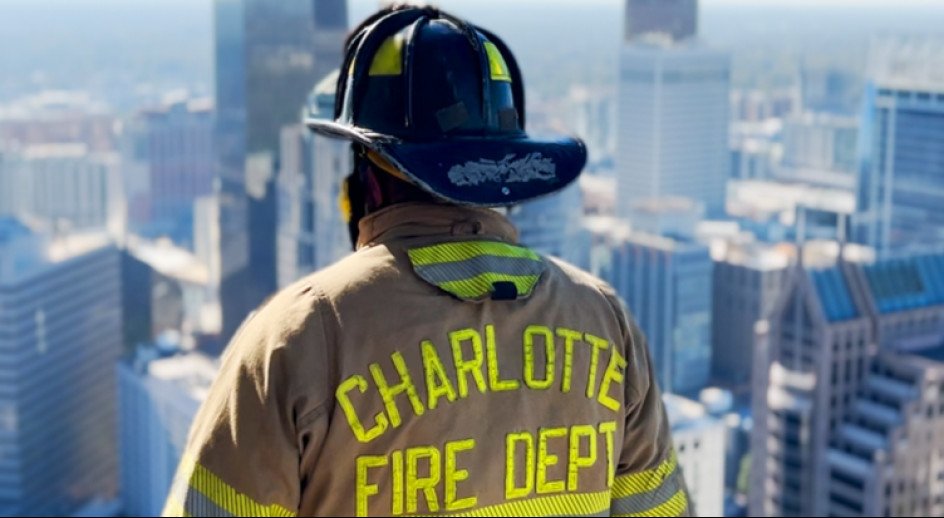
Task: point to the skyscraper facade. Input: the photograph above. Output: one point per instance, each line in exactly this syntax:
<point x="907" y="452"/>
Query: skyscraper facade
<point x="808" y="364"/>
<point x="699" y="440"/>
<point x="746" y="286"/>
<point x="267" y="61"/>
<point x="901" y="182"/>
<point x="666" y="282"/>
<point x="549" y="225"/>
<point x="312" y="232"/>
<point x="847" y="410"/>
<point x="158" y="399"/>
<point x="174" y="145"/>
<point x="677" y="18"/>
<point x="901" y="171"/>
<point x="60" y="336"/>
<point x="62" y="186"/>
<point x="673" y="123"/>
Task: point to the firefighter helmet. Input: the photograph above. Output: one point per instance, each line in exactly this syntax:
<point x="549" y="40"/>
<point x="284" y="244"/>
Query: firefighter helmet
<point x="442" y="102"/>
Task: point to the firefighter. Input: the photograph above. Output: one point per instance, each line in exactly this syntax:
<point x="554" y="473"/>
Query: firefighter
<point x="442" y="368"/>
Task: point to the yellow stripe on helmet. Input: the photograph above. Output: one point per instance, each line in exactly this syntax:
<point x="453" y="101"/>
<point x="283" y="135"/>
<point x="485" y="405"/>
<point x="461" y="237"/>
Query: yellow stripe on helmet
<point x="496" y="63"/>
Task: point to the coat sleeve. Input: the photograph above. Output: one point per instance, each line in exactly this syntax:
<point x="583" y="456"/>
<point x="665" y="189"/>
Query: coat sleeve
<point x="250" y="440"/>
<point x="648" y="480"/>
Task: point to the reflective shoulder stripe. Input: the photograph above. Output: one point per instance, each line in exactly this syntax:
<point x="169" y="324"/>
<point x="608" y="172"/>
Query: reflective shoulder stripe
<point x="654" y="492"/>
<point x="461" y="250"/>
<point x="474" y="270"/>
<point x="201" y="493"/>
<point x="568" y="504"/>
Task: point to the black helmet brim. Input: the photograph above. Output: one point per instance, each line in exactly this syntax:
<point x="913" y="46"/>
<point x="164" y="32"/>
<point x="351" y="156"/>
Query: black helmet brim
<point x="479" y="171"/>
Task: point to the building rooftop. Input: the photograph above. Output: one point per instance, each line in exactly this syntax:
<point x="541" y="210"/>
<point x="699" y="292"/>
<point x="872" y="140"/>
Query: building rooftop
<point x="57" y="150"/>
<point x="50" y="104"/>
<point x="599" y="193"/>
<point x="12" y="228"/>
<point x="667" y="204"/>
<point x="686" y="414"/>
<point x="191" y="372"/>
<point x="903" y="284"/>
<point x="758" y="256"/>
<point x="762" y="199"/>
<point x="24" y="253"/>
<point x="170" y="260"/>
<point x="908" y="63"/>
<point x="834" y="294"/>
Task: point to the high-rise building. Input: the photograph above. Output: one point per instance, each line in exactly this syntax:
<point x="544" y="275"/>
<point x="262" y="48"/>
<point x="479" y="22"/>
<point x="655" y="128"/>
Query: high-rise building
<point x="699" y="441"/>
<point x="173" y="144"/>
<point x="780" y="211"/>
<point x="820" y="150"/>
<point x="269" y="54"/>
<point x="847" y="385"/>
<point x="158" y="399"/>
<point x="60" y="336"/>
<point x="312" y="232"/>
<point x="887" y="459"/>
<point x="830" y="90"/>
<point x="548" y="225"/>
<point x="901" y="174"/>
<point x="747" y="283"/>
<point x="666" y="282"/>
<point x="61" y="187"/>
<point x="58" y="117"/>
<point x="673" y="123"/>
<point x="677" y="18"/>
<point x="592" y="114"/>
<point x="818" y="141"/>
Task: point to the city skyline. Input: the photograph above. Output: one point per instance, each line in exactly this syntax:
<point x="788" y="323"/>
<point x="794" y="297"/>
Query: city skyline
<point x="763" y="193"/>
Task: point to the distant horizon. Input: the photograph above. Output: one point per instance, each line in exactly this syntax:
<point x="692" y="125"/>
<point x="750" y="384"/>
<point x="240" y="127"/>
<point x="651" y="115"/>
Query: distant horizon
<point x="614" y="3"/>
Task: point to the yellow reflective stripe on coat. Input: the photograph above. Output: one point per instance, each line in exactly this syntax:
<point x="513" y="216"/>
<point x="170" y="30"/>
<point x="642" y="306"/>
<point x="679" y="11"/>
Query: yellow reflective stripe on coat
<point x="205" y="494"/>
<point x="474" y="270"/>
<point x="654" y="492"/>
<point x="570" y="504"/>
<point x="462" y="250"/>
<point x="675" y="506"/>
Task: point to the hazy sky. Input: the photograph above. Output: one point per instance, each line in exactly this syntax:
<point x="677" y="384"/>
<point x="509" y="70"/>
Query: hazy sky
<point x="127" y="50"/>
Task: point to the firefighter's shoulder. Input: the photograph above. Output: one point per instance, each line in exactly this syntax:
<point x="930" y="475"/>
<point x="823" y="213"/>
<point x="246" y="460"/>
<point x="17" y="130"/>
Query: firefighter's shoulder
<point x="579" y="281"/>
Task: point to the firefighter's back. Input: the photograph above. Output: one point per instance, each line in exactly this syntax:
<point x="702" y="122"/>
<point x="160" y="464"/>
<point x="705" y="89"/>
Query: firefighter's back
<point x="468" y="374"/>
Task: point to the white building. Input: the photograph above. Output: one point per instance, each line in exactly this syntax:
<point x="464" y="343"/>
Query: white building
<point x="311" y="230"/>
<point x="700" y="445"/>
<point x="158" y="399"/>
<point x="549" y="224"/>
<point x="593" y="118"/>
<point x="61" y="186"/>
<point x="673" y="122"/>
<point x="819" y="149"/>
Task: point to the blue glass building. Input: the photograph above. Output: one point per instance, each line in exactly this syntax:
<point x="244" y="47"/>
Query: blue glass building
<point x="900" y="198"/>
<point x="666" y="282"/>
<point x="60" y="336"/>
